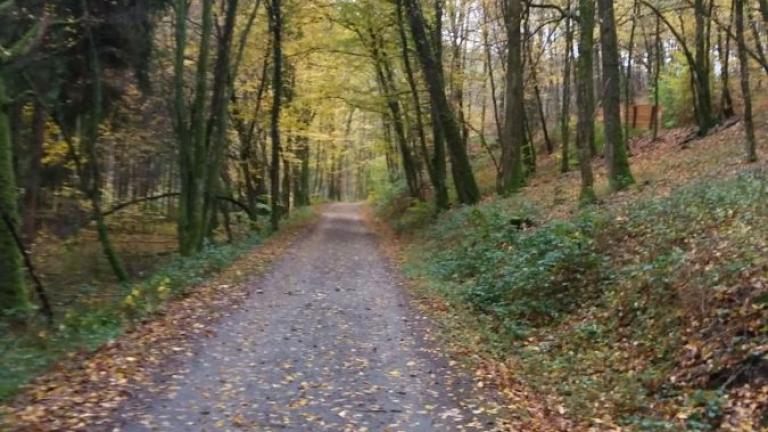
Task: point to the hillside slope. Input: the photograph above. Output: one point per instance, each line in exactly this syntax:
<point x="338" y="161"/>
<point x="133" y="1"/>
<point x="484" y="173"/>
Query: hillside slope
<point x="647" y="312"/>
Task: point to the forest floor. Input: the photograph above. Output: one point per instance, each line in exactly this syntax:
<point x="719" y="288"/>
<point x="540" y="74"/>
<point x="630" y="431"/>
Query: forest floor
<point x="325" y="340"/>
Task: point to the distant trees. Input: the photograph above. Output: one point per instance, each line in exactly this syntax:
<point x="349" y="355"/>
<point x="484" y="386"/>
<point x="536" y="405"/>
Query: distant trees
<point x="219" y="112"/>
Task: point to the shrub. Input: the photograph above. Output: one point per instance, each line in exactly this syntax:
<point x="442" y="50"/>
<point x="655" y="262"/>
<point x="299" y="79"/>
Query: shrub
<point x="521" y="277"/>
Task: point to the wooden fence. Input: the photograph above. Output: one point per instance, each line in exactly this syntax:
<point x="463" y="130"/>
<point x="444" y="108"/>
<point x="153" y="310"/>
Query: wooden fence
<point x="640" y="116"/>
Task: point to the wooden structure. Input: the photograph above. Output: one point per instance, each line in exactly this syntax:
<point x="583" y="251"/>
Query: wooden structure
<point x="640" y="115"/>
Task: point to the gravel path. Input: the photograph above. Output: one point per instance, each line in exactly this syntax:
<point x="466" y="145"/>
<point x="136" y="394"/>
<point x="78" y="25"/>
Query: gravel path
<point x="327" y="342"/>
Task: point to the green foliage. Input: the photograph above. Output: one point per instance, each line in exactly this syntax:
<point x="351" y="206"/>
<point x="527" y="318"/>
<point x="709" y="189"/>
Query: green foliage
<point x="519" y="276"/>
<point x="417" y="215"/>
<point x="181" y="274"/>
<point x="618" y="282"/>
<point x="675" y="93"/>
<point x="88" y="325"/>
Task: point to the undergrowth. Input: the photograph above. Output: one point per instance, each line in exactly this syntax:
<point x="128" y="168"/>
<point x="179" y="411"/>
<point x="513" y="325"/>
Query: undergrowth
<point x="644" y="315"/>
<point x="95" y="318"/>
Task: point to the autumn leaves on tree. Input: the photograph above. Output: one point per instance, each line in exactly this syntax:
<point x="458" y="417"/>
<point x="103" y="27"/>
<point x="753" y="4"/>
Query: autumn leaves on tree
<point x="259" y="106"/>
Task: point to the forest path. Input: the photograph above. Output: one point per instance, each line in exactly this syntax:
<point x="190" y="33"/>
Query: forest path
<point x="326" y="342"/>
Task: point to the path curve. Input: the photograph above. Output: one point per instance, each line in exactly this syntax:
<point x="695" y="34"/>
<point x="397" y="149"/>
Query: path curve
<point x="326" y="342"/>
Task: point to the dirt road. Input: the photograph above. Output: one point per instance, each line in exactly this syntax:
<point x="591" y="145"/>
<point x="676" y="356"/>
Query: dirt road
<point x="327" y="342"/>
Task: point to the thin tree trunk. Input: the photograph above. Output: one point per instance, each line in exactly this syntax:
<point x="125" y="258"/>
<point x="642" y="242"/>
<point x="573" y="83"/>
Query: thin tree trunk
<point x="287" y="180"/>
<point x="13" y="294"/>
<point x="726" y="101"/>
<point x="218" y="122"/>
<point x="32" y="180"/>
<point x="276" y="24"/>
<point x="387" y="86"/>
<point x="750" y="146"/>
<point x="90" y="139"/>
<point x="585" y="100"/>
<point x="628" y="96"/>
<point x="656" y="75"/>
<point x="565" y="116"/>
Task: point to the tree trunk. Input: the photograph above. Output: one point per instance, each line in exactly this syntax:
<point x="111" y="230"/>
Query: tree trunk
<point x="190" y="129"/>
<point x="656" y="75"/>
<point x="540" y="105"/>
<point x="90" y="139"/>
<point x="287" y="180"/>
<point x="513" y="138"/>
<point x="438" y="183"/>
<point x="218" y="122"/>
<point x="701" y="75"/>
<point x="276" y="27"/>
<point x="585" y="100"/>
<point x="32" y="180"/>
<point x="13" y="294"/>
<point x="750" y="146"/>
<point x="463" y="179"/>
<point x="565" y="116"/>
<point x="304" y="173"/>
<point x="619" y="174"/>
<point x="389" y="91"/>
<point x="628" y="96"/>
<point x="724" y="53"/>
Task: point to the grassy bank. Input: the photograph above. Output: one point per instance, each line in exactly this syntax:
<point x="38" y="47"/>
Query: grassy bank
<point x="648" y="312"/>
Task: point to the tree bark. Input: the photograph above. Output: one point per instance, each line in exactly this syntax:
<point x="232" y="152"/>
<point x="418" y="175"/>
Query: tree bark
<point x="190" y="129"/>
<point x="628" y="96"/>
<point x="750" y="146"/>
<point x="619" y="174"/>
<point x="218" y="121"/>
<point x="513" y="138"/>
<point x="438" y="182"/>
<point x="389" y="91"/>
<point x="701" y="77"/>
<point x="565" y="115"/>
<point x="276" y="27"/>
<point x="13" y="294"/>
<point x="463" y="178"/>
<point x="585" y="100"/>
<point x="92" y="183"/>
<point x="32" y="177"/>
<point x="656" y="75"/>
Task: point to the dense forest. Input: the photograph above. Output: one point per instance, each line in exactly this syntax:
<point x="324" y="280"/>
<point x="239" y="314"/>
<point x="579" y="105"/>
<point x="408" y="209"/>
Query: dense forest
<point x="145" y="144"/>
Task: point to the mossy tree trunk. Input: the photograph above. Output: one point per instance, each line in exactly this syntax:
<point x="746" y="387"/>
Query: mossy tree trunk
<point x="12" y="290"/>
<point x="585" y="99"/>
<point x="513" y="138"/>
<point x="89" y="140"/>
<point x="13" y="294"/>
<point x="619" y="174"/>
<point x="191" y="131"/>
